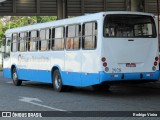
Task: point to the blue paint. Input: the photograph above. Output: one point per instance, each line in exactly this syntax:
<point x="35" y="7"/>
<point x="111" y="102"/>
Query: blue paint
<point x="71" y="78"/>
<point x="132" y="76"/>
<point x="35" y="75"/>
<point x="80" y="79"/>
<point x="7" y="73"/>
<point x="32" y="75"/>
<point x="128" y="76"/>
<point x="90" y="79"/>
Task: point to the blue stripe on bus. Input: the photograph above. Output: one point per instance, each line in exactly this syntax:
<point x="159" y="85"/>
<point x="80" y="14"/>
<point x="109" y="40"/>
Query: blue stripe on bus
<point x="129" y="76"/>
<point x="7" y="73"/>
<point x="35" y="75"/>
<point x="80" y="79"/>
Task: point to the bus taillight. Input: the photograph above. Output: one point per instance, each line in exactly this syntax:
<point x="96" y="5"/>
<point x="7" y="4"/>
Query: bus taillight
<point x="155" y="63"/>
<point x="103" y="59"/>
<point x="156" y="58"/>
<point x="105" y="64"/>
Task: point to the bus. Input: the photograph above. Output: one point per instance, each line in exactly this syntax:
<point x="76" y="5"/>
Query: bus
<point x="90" y="50"/>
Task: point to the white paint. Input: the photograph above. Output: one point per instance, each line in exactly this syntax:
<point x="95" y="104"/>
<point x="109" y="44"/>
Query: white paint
<point x="9" y="82"/>
<point x="34" y="102"/>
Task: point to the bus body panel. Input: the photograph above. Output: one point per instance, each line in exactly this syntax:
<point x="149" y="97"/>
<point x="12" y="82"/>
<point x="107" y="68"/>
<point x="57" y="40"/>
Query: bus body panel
<point x="73" y="62"/>
<point x="141" y="52"/>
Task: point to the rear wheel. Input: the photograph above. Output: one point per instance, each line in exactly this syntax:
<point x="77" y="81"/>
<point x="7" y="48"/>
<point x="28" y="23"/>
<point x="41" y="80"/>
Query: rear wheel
<point x="58" y="84"/>
<point x="57" y="81"/>
<point x="15" y="78"/>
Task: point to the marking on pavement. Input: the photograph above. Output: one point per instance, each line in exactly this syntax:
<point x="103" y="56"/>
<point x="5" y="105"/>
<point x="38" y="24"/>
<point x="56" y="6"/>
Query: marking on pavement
<point x="34" y="102"/>
<point x="9" y="82"/>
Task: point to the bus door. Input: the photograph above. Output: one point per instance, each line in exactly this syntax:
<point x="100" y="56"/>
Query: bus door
<point x="73" y="55"/>
<point x="89" y="54"/>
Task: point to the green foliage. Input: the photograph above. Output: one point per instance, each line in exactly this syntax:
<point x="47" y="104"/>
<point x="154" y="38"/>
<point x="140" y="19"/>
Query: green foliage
<point x="19" y="21"/>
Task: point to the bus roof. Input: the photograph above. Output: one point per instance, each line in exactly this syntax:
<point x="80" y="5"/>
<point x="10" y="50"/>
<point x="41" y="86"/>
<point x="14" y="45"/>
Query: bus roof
<point x="79" y="19"/>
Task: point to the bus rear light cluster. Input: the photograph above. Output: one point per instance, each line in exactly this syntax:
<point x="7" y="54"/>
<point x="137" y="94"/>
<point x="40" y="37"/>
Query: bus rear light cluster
<point x="103" y="59"/>
<point x="156" y="61"/>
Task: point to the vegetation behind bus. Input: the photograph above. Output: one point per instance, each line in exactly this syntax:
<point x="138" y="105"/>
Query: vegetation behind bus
<point x="18" y="21"/>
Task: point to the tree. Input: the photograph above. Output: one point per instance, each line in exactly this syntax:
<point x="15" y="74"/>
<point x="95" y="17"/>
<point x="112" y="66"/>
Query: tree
<point x="19" y="21"/>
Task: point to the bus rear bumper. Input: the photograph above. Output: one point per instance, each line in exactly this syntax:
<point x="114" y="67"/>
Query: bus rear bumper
<point x="129" y="76"/>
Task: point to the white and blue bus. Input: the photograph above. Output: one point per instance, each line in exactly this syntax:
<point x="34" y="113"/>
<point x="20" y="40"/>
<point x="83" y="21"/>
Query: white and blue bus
<point x="88" y="50"/>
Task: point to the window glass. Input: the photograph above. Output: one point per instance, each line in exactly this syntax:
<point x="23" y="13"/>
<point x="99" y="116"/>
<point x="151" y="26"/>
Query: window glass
<point x="129" y="26"/>
<point x="89" y="35"/>
<point x="58" y="38"/>
<point x="143" y="29"/>
<point x="71" y="31"/>
<point x="43" y="41"/>
<point x="48" y="33"/>
<point x="73" y="37"/>
<point x="33" y="40"/>
<point x="14" y="42"/>
<point x="59" y="32"/>
<point x="78" y="30"/>
<point x="23" y="38"/>
<point x="42" y="34"/>
<point x="88" y="29"/>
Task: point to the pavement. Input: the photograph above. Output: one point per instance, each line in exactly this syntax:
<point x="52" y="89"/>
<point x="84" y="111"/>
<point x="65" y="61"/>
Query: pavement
<point x="33" y="96"/>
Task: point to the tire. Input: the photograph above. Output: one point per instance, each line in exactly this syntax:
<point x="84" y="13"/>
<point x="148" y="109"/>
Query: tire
<point x="15" y="79"/>
<point x="57" y="82"/>
<point x="101" y="87"/>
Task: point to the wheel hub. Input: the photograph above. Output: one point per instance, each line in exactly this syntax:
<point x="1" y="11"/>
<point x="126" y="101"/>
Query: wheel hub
<point x="57" y="81"/>
<point x="14" y="76"/>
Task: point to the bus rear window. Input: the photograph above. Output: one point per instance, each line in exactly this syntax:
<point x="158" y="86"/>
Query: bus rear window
<point x="130" y="26"/>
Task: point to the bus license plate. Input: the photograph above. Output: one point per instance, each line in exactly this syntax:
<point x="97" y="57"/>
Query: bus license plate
<point x="130" y="65"/>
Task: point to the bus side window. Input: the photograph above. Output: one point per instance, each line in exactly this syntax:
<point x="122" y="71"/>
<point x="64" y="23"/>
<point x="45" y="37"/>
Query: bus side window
<point x="70" y="34"/>
<point x="14" y="42"/>
<point x="58" y="40"/>
<point x="89" y="35"/>
<point x="45" y="36"/>
<point x="23" y="41"/>
<point x="34" y="40"/>
<point x="73" y="37"/>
